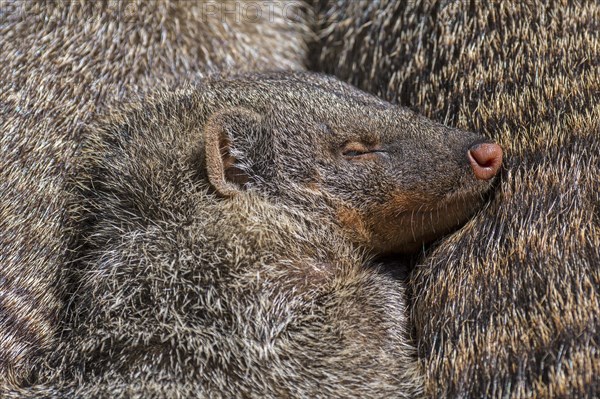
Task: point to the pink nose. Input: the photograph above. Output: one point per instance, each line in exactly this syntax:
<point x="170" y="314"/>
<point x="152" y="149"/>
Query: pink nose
<point x="485" y="159"/>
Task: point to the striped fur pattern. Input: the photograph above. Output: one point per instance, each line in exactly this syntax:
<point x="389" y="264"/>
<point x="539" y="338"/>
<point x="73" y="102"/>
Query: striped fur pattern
<point x="508" y="306"/>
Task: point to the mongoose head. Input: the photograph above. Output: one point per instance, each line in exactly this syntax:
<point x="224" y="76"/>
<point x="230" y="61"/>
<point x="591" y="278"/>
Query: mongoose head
<point x="391" y="179"/>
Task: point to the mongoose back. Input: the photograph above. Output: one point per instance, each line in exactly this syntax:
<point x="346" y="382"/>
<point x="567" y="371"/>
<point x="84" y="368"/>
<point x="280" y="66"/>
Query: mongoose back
<point x="509" y="306"/>
<point x="61" y="63"/>
<point x="223" y="232"/>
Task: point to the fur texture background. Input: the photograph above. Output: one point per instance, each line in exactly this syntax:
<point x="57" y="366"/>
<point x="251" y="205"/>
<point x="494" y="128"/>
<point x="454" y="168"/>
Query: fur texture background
<point x="61" y="63"/>
<point x="508" y="306"/>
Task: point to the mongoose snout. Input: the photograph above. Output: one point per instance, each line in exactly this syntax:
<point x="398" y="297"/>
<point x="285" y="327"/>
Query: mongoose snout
<point x="485" y="159"/>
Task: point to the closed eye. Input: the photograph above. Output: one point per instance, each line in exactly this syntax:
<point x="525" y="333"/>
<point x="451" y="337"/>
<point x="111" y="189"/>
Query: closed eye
<point x="359" y="151"/>
<point x="355" y="153"/>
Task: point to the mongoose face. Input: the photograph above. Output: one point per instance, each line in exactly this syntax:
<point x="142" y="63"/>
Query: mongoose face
<point x="391" y="178"/>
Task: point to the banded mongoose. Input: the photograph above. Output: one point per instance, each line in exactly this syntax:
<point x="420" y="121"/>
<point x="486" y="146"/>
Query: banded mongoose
<point x="223" y="231"/>
<point x="509" y="306"/>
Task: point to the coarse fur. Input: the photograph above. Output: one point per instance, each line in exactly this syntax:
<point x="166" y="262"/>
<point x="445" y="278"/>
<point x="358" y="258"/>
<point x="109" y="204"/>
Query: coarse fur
<point x="61" y="63"/>
<point x="509" y="306"/>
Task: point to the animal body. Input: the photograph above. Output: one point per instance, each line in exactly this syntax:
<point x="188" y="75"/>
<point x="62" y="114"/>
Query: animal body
<point x="508" y="306"/>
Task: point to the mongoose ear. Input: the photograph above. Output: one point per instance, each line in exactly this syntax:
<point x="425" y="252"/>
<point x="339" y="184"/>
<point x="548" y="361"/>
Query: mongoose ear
<point x="223" y="164"/>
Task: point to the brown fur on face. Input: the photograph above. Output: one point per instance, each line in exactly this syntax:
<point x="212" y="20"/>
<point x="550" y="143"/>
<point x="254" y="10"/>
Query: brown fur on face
<point x="508" y="306"/>
<point x="353" y="221"/>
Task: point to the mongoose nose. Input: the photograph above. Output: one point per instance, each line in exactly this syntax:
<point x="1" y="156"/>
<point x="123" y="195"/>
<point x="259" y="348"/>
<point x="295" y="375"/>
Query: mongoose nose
<point x="485" y="159"/>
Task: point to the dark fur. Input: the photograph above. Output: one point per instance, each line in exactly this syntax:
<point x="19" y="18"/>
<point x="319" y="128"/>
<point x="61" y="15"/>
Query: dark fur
<point x="509" y="306"/>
